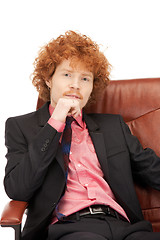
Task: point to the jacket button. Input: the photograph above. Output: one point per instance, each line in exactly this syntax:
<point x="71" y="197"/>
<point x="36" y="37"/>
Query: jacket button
<point x="43" y="149"/>
<point x="47" y="140"/>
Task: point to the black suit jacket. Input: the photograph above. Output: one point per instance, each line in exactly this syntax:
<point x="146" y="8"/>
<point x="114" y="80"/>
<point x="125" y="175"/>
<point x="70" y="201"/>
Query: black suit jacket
<point x="35" y="169"/>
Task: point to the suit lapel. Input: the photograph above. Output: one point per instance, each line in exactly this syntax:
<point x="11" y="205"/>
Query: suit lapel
<point x="99" y="144"/>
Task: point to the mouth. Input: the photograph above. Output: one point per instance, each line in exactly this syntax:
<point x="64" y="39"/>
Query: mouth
<point x="73" y="95"/>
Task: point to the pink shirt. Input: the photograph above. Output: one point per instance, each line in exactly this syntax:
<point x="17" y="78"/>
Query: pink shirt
<point x="85" y="183"/>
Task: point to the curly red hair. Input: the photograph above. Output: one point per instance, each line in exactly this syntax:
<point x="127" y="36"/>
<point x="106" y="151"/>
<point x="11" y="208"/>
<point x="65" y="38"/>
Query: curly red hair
<point x="75" y="46"/>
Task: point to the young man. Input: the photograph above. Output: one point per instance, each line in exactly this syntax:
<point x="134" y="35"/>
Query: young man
<point x="58" y="159"/>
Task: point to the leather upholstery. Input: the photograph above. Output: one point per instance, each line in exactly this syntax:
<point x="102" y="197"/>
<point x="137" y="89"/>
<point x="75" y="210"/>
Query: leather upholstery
<point x="138" y="101"/>
<point x="13" y="213"/>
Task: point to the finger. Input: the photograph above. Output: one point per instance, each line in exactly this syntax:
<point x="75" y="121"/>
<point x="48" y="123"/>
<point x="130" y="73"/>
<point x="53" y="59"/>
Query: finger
<point x="76" y="113"/>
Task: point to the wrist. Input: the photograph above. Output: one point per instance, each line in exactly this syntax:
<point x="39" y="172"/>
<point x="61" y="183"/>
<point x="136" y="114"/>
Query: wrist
<point x="58" y="125"/>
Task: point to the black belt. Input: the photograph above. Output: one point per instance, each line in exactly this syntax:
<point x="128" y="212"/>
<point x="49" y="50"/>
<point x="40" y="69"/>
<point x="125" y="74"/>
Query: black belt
<point x="93" y="210"/>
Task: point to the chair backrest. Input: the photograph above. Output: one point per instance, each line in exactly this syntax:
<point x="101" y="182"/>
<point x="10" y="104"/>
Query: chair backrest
<point x="138" y="101"/>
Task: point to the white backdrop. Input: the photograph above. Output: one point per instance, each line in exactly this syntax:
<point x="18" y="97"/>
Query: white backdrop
<point x="128" y="31"/>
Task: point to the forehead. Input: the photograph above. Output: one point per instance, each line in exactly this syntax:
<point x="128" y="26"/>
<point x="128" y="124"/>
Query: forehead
<point x="74" y="65"/>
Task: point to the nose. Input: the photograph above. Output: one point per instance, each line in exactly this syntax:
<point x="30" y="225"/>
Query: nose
<point x="74" y="84"/>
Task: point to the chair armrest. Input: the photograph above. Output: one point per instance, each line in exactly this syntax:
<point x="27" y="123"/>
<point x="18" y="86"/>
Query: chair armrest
<point x="149" y="199"/>
<point x="13" y="213"/>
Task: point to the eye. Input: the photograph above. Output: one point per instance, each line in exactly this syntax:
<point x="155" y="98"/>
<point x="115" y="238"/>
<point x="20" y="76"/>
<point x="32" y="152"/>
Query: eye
<point x="85" y="79"/>
<point x="67" y="74"/>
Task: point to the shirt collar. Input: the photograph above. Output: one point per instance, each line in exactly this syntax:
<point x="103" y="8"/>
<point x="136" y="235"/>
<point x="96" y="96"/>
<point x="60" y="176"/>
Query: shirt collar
<point x="78" y="119"/>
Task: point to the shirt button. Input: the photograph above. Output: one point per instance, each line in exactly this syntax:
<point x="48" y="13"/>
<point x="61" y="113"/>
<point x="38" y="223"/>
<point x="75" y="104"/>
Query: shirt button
<point x="79" y="165"/>
<point x="70" y="152"/>
<point x="86" y="185"/>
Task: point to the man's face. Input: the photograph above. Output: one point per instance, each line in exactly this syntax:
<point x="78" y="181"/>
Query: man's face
<point x="68" y="82"/>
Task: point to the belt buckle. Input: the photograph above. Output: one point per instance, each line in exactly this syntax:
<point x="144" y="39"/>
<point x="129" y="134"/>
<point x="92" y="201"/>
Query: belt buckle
<point x="92" y="212"/>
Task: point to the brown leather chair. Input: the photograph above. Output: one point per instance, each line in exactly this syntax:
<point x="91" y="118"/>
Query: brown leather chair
<point x="138" y="101"/>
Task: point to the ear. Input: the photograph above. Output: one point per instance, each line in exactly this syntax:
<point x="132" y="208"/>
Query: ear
<point x="49" y="83"/>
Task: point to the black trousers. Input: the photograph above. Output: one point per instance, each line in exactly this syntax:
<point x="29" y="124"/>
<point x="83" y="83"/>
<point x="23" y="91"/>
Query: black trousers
<point x="100" y="227"/>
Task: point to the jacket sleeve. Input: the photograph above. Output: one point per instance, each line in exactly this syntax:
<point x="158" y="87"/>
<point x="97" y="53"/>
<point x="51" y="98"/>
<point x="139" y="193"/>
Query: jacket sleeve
<point x="144" y="162"/>
<point x="27" y="162"/>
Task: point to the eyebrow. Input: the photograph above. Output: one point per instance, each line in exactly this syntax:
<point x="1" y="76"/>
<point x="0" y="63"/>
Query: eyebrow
<point x="87" y="74"/>
<point x="66" y="69"/>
